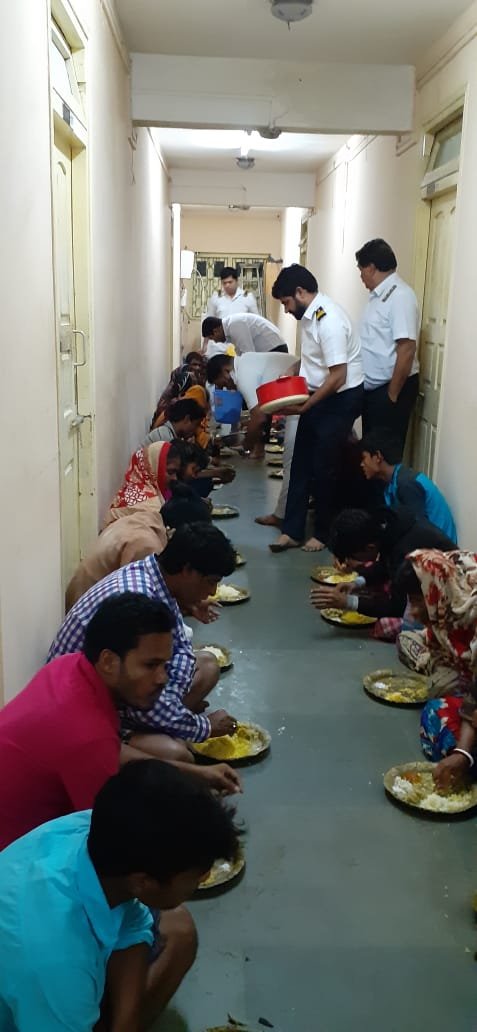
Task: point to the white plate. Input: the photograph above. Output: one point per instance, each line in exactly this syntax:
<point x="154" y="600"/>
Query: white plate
<point x="283" y="403"/>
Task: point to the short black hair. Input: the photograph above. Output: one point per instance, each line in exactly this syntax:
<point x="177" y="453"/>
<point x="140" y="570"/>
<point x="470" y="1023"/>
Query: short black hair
<point x="193" y="356"/>
<point x="121" y="620"/>
<point x="153" y="819"/>
<point x="201" y="546"/>
<point x="188" y="451"/>
<point x="351" y="532"/>
<point x="215" y="365"/>
<point x="185" y="506"/>
<point x="384" y="441"/>
<point x="210" y="324"/>
<point x="184" y="407"/>
<point x="292" y="277"/>
<point x="378" y="253"/>
<point x="229" y="271"/>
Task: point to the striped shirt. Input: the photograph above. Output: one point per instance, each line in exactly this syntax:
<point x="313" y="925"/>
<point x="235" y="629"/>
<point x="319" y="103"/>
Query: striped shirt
<point x="168" y="715"/>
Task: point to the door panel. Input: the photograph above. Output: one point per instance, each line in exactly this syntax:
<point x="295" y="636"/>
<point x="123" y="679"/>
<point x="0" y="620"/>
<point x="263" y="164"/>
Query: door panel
<point x="433" y="332"/>
<point x="68" y="420"/>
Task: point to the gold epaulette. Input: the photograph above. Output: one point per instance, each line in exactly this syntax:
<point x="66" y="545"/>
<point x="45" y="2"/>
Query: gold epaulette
<point x="320" y="312"/>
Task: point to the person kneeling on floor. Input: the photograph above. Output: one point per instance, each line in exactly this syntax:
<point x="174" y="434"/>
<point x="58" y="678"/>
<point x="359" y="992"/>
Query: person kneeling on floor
<point x="183" y="577"/>
<point x="60" y="736"/>
<point x="79" y="948"/>
<point x="374" y="547"/>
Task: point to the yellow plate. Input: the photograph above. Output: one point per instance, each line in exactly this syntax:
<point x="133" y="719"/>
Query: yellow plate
<point x="274" y="449"/>
<point x="249" y="741"/>
<point x="224" y="512"/>
<point x="223" y="871"/>
<point x="344" y="618"/>
<point x="328" y="575"/>
<point x="241" y="595"/>
<point x="399" y="689"/>
<point x="239" y="560"/>
<point x="222" y="655"/>
<point x="426" y="797"/>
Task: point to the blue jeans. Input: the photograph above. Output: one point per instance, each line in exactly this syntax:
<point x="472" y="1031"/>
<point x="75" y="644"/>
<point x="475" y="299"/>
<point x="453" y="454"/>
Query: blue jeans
<point x="319" y="440"/>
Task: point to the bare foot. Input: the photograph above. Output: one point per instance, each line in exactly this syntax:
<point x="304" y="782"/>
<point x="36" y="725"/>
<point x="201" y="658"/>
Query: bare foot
<point x="313" y="545"/>
<point x="283" y="544"/>
<point x="268" y="521"/>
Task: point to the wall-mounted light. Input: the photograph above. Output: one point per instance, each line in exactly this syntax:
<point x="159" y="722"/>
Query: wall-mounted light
<point x="187" y="263"/>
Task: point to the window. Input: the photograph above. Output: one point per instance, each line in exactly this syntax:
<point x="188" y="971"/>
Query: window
<point x="64" y="81"/>
<point x="443" y="165"/>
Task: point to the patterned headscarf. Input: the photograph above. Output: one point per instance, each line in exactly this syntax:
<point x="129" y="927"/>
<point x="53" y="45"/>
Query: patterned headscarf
<point x="449" y="586"/>
<point x="145" y="482"/>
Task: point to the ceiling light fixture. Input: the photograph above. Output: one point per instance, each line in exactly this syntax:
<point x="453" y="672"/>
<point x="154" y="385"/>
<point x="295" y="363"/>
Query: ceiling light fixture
<point x="291" y="10"/>
<point x="245" y="163"/>
<point x="271" y="132"/>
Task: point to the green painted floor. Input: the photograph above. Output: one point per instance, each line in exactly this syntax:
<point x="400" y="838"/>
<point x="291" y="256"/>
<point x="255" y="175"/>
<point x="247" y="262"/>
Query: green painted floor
<point x="352" y="915"/>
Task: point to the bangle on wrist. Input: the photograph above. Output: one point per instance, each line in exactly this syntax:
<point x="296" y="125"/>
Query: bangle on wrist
<point x="465" y="753"/>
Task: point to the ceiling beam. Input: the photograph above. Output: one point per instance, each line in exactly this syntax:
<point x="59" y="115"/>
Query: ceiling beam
<point x="295" y="96"/>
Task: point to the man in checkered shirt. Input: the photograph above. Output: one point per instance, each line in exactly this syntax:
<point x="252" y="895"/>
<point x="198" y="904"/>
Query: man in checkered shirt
<point x="185" y="574"/>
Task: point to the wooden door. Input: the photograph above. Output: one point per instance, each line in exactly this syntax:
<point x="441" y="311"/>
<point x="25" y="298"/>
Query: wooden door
<point x="69" y="422"/>
<point x="433" y="331"/>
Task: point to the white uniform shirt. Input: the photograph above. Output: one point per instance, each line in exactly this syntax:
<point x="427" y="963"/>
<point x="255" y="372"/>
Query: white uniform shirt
<point x="220" y="304"/>
<point x="251" y="333"/>
<point x="328" y="339"/>
<point x="391" y="314"/>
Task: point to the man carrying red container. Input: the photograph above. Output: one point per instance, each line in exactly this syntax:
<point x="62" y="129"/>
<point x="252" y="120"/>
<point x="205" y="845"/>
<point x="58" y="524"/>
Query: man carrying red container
<point x="331" y="365"/>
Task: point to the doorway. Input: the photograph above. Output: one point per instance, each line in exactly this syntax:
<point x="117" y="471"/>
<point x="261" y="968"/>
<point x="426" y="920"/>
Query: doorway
<point x="434" y="324"/>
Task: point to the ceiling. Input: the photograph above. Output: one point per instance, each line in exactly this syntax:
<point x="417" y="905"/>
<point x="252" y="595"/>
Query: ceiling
<point x="357" y="31"/>
<point x="217" y="149"/>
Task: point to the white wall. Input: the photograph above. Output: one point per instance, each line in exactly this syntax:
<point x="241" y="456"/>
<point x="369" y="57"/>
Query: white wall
<point x="30" y="533"/>
<point x="130" y="294"/>
<point x="290" y="251"/>
<point x="376" y="193"/>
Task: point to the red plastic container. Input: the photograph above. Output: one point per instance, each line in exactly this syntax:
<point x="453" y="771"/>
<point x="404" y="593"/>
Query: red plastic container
<point x="277" y="394"/>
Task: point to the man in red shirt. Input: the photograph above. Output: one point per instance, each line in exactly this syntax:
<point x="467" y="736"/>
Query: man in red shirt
<point x="59" y="738"/>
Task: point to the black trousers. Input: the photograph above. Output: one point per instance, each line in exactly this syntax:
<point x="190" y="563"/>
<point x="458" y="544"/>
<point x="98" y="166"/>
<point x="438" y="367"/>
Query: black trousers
<point x="379" y="411"/>
<point x="319" y="441"/>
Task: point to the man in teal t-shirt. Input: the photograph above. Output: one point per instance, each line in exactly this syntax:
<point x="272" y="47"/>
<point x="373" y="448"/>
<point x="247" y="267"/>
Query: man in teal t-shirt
<point x="380" y="454"/>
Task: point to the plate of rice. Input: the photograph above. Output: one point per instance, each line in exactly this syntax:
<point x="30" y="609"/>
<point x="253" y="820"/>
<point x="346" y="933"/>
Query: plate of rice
<point x="347" y="618"/>
<point x="224" y="512"/>
<point x="275" y="460"/>
<point x="276" y="474"/>
<point x="274" y="449"/>
<point x="249" y="741"/>
<point x="412" y="784"/>
<point x="222" y="655"/>
<point x="229" y="595"/>
<point x="328" y="575"/>
<point x="223" y="871"/>
<point x="398" y="689"/>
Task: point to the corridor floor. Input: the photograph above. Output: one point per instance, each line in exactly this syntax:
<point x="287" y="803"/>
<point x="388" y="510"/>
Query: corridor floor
<point x="352" y="916"/>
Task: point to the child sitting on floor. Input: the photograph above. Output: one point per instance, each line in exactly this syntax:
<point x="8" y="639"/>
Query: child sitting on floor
<point x="380" y="453"/>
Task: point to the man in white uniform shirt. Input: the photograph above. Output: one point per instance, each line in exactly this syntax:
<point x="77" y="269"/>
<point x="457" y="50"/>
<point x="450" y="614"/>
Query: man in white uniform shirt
<point x="246" y="332"/>
<point x="231" y="299"/>
<point x="388" y="331"/>
<point x="331" y="365"/>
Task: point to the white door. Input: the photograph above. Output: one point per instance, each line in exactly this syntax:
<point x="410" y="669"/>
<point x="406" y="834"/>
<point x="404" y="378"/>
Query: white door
<point x="68" y="418"/>
<point x="433" y="332"/>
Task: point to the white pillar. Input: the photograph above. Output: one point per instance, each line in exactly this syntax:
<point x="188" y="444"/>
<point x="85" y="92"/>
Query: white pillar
<point x="176" y="285"/>
<point x="290" y="252"/>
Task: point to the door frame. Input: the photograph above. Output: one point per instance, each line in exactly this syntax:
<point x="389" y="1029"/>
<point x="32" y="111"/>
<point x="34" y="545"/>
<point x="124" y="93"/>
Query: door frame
<point x="448" y="111"/>
<point x="73" y="131"/>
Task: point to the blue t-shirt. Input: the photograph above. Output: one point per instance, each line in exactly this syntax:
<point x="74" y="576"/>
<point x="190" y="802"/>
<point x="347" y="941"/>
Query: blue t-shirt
<point x="57" y="930"/>
<point x="422" y="496"/>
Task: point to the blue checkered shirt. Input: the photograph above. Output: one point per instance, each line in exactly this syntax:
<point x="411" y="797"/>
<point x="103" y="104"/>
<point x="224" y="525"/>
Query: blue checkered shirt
<point x="168" y="714"/>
